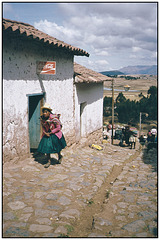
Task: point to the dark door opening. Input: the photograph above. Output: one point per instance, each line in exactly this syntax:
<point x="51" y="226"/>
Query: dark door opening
<point x="35" y="103"/>
<point x="83" y="119"/>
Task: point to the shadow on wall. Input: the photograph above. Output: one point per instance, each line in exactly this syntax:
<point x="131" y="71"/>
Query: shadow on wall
<point x="92" y="92"/>
<point x="20" y="60"/>
<point x="29" y="74"/>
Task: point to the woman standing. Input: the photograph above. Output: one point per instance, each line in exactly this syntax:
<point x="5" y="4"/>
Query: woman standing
<point x="52" y="140"/>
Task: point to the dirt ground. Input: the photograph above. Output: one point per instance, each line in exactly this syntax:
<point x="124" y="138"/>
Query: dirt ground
<point x="140" y="85"/>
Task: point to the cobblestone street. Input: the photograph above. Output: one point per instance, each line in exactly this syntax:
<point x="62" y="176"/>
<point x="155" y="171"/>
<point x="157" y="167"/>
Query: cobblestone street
<point x="131" y="210"/>
<point x="108" y="193"/>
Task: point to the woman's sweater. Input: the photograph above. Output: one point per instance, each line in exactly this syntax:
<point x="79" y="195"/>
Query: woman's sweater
<point x="52" y="124"/>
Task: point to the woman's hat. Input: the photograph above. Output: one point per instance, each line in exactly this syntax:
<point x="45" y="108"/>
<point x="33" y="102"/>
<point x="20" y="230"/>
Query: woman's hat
<point x="46" y="106"/>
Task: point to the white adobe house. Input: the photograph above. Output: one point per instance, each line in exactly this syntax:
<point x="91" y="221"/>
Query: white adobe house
<point x="88" y="86"/>
<point x="38" y="68"/>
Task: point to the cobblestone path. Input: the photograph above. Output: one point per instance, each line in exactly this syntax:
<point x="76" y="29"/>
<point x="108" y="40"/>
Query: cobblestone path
<point x="130" y="205"/>
<point x="39" y="202"/>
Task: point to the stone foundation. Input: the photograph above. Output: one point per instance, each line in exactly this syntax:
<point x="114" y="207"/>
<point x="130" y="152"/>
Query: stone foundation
<point x="95" y="137"/>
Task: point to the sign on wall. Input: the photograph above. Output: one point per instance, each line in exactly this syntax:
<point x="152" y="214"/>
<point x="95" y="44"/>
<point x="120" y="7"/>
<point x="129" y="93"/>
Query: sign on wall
<point x="46" y="67"/>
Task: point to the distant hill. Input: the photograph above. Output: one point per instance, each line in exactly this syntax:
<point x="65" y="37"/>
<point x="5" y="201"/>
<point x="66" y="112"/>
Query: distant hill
<point x="112" y="73"/>
<point x="132" y="70"/>
<point x="150" y="70"/>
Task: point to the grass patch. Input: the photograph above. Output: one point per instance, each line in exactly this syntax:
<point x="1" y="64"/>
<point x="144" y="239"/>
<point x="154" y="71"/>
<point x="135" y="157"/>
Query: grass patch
<point x="107" y="193"/>
<point x="90" y="202"/>
<point x="69" y="228"/>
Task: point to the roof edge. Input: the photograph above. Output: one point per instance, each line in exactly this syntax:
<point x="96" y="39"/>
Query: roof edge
<point x="29" y="30"/>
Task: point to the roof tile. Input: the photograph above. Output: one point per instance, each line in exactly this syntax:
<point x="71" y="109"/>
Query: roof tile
<point x="85" y="75"/>
<point x="29" y="30"/>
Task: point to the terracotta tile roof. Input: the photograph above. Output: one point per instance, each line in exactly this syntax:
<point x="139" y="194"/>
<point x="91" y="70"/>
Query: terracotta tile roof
<point x="29" y="31"/>
<point x="85" y="75"/>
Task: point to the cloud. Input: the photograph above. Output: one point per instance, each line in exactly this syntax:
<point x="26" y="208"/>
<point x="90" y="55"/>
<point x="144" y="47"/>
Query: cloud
<point x="136" y="49"/>
<point x="97" y="65"/>
<point x="107" y="30"/>
<point x="102" y="52"/>
<point x="60" y="32"/>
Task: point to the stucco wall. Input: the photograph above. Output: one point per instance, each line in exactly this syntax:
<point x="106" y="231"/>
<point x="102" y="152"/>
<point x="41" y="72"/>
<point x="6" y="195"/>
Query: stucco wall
<point x="20" y="78"/>
<point x="92" y="95"/>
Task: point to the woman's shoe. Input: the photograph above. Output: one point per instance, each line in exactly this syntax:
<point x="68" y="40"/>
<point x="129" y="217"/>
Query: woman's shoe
<point x="60" y="159"/>
<point x="47" y="164"/>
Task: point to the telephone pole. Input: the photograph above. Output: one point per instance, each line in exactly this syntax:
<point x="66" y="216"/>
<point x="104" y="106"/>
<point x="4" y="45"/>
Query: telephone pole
<point x="112" y="108"/>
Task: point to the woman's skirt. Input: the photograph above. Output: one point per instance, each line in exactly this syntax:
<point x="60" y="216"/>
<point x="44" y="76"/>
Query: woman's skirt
<point x="132" y="139"/>
<point x="51" y="144"/>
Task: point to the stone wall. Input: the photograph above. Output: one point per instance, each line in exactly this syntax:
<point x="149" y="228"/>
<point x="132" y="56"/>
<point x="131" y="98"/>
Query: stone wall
<point x="95" y="137"/>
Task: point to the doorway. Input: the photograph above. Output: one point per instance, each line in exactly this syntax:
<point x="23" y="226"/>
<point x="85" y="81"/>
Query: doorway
<point x="83" y="119"/>
<point x="35" y="103"/>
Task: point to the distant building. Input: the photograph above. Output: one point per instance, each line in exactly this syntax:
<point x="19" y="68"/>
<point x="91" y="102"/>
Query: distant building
<point x="27" y="56"/>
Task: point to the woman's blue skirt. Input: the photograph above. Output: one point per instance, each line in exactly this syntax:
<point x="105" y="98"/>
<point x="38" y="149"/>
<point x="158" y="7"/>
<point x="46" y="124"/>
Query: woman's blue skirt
<point x="51" y="144"/>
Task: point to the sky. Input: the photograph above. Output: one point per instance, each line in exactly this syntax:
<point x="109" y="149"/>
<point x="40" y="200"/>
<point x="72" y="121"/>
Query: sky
<point x="115" y="34"/>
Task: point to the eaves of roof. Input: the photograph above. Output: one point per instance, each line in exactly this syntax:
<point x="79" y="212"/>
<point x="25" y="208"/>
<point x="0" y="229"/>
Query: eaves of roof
<point x="30" y="32"/>
<point x="85" y="75"/>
